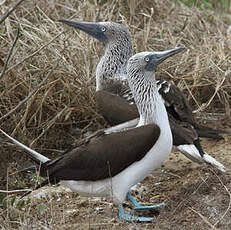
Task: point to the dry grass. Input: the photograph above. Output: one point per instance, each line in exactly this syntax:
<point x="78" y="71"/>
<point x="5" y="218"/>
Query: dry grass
<point x="203" y="71"/>
<point x="66" y="59"/>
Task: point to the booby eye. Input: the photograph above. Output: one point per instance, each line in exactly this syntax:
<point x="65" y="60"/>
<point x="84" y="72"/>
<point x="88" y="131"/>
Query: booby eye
<point x="146" y="59"/>
<point x="103" y="29"/>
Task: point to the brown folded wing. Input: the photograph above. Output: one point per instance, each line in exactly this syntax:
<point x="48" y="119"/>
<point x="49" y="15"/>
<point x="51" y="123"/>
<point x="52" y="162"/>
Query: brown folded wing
<point x="103" y="157"/>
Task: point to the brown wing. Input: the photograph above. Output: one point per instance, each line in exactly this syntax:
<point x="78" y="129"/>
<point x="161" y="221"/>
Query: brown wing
<point x="104" y="156"/>
<point x="118" y="110"/>
<point x="175" y="101"/>
<point x="182" y="132"/>
<point x="178" y="106"/>
<point x="115" y="109"/>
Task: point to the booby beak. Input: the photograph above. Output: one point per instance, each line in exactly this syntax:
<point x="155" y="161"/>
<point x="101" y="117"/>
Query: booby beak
<point x="92" y="28"/>
<point x="158" y="57"/>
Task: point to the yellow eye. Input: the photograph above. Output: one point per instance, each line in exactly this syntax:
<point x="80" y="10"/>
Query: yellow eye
<point x="103" y="29"/>
<point x="147" y="59"/>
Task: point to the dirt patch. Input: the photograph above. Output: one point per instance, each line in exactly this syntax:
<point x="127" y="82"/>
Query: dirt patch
<point x="196" y="197"/>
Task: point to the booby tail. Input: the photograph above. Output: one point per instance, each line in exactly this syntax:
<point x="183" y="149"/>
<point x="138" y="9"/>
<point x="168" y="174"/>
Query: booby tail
<point x="186" y="141"/>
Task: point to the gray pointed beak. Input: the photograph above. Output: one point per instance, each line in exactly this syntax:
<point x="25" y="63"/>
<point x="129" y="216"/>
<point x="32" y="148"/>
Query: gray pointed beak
<point x="92" y="28"/>
<point x="163" y="55"/>
<point x="158" y="57"/>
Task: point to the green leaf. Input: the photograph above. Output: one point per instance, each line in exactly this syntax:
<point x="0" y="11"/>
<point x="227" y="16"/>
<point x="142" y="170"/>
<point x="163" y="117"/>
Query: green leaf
<point x="20" y="204"/>
<point x="28" y="201"/>
<point x="42" y="208"/>
<point x="13" y="200"/>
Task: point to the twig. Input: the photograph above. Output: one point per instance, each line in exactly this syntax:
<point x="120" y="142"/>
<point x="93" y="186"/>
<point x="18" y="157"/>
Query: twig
<point x="218" y="86"/>
<point x="15" y="191"/>
<point x="30" y="94"/>
<point x="191" y="94"/>
<point x="229" y="205"/>
<point x="33" y="54"/>
<point x="49" y="125"/>
<point x="189" y="195"/>
<point x="184" y="25"/>
<point x="3" y="18"/>
<point x="204" y="219"/>
<point x="9" y="54"/>
<point x="7" y="188"/>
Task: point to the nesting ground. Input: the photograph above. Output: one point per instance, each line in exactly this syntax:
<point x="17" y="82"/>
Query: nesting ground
<point x="63" y="108"/>
<point x="196" y="197"/>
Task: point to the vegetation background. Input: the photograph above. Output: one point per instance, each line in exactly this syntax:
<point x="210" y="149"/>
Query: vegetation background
<point x="47" y="77"/>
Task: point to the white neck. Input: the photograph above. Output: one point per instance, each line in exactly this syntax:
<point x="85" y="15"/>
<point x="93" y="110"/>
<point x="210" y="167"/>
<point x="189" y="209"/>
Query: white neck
<point x="112" y="65"/>
<point x="148" y="101"/>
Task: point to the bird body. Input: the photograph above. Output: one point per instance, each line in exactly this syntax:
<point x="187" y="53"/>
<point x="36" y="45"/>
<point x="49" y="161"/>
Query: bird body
<point x="151" y="110"/>
<point x="116" y="187"/>
<point x="106" y="166"/>
<point x="114" y="177"/>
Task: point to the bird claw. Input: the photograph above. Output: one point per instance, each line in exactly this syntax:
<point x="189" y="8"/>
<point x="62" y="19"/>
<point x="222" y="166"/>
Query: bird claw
<point x="146" y="208"/>
<point x="139" y="207"/>
<point x="129" y="217"/>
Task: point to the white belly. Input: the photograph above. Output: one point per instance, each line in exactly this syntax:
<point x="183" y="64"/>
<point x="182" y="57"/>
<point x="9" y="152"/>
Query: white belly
<point x="117" y="187"/>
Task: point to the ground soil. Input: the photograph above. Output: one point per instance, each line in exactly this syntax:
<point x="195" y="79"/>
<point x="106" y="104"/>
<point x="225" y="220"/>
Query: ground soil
<point x="196" y="197"/>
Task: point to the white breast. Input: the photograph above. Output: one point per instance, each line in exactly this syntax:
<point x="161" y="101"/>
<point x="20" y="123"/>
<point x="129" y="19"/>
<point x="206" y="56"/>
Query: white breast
<point x="117" y="187"/>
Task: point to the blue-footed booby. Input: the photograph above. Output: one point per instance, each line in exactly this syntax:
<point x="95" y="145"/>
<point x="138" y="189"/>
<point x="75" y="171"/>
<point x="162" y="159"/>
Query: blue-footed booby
<point x="112" y="90"/>
<point x="110" y="164"/>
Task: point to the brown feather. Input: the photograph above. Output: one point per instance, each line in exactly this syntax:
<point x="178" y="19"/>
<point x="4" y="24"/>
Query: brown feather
<point x="104" y="156"/>
<point x="114" y="108"/>
<point x="178" y="106"/>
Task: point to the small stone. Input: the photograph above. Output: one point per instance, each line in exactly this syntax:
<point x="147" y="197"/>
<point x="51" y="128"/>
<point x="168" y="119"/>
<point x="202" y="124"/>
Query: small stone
<point x="99" y="209"/>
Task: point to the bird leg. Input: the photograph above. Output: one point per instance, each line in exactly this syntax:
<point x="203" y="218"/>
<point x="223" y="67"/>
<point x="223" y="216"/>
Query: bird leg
<point x="139" y="207"/>
<point x="129" y="217"/>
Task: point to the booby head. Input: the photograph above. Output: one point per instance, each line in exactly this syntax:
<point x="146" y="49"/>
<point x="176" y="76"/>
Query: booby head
<point x="103" y="31"/>
<point x="140" y="76"/>
<point x="118" y="48"/>
<point x="148" y="61"/>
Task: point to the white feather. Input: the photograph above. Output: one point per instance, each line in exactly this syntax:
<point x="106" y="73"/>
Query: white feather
<point x="32" y="152"/>
<point x="191" y="152"/>
<point x="123" y="126"/>
<point x="209" y="159"/>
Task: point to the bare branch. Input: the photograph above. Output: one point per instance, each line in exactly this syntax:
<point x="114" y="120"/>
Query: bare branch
<point x="33" y="54"/>
<point x="204" y="219"/>
<point x="229" y="205"/>
<point x="49" y="125"/>
<point x="10" y="53"/>
<point x="15" y="191"/>
<point x="3" y="18"/>
<point x="30" y="94"/>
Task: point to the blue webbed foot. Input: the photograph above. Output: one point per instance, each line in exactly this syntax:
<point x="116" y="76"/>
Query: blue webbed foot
<point x="129" y="217"/>
<point x="139" y="207"/>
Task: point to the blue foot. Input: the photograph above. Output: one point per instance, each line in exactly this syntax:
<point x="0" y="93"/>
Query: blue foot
<point x="139" y="207"/>
<point x="128" y="217"/>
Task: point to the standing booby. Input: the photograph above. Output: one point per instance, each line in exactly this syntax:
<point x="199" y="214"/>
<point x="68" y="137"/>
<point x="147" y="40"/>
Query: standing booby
<point x="110" y="164"/>
<point x="112" y="89"/>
